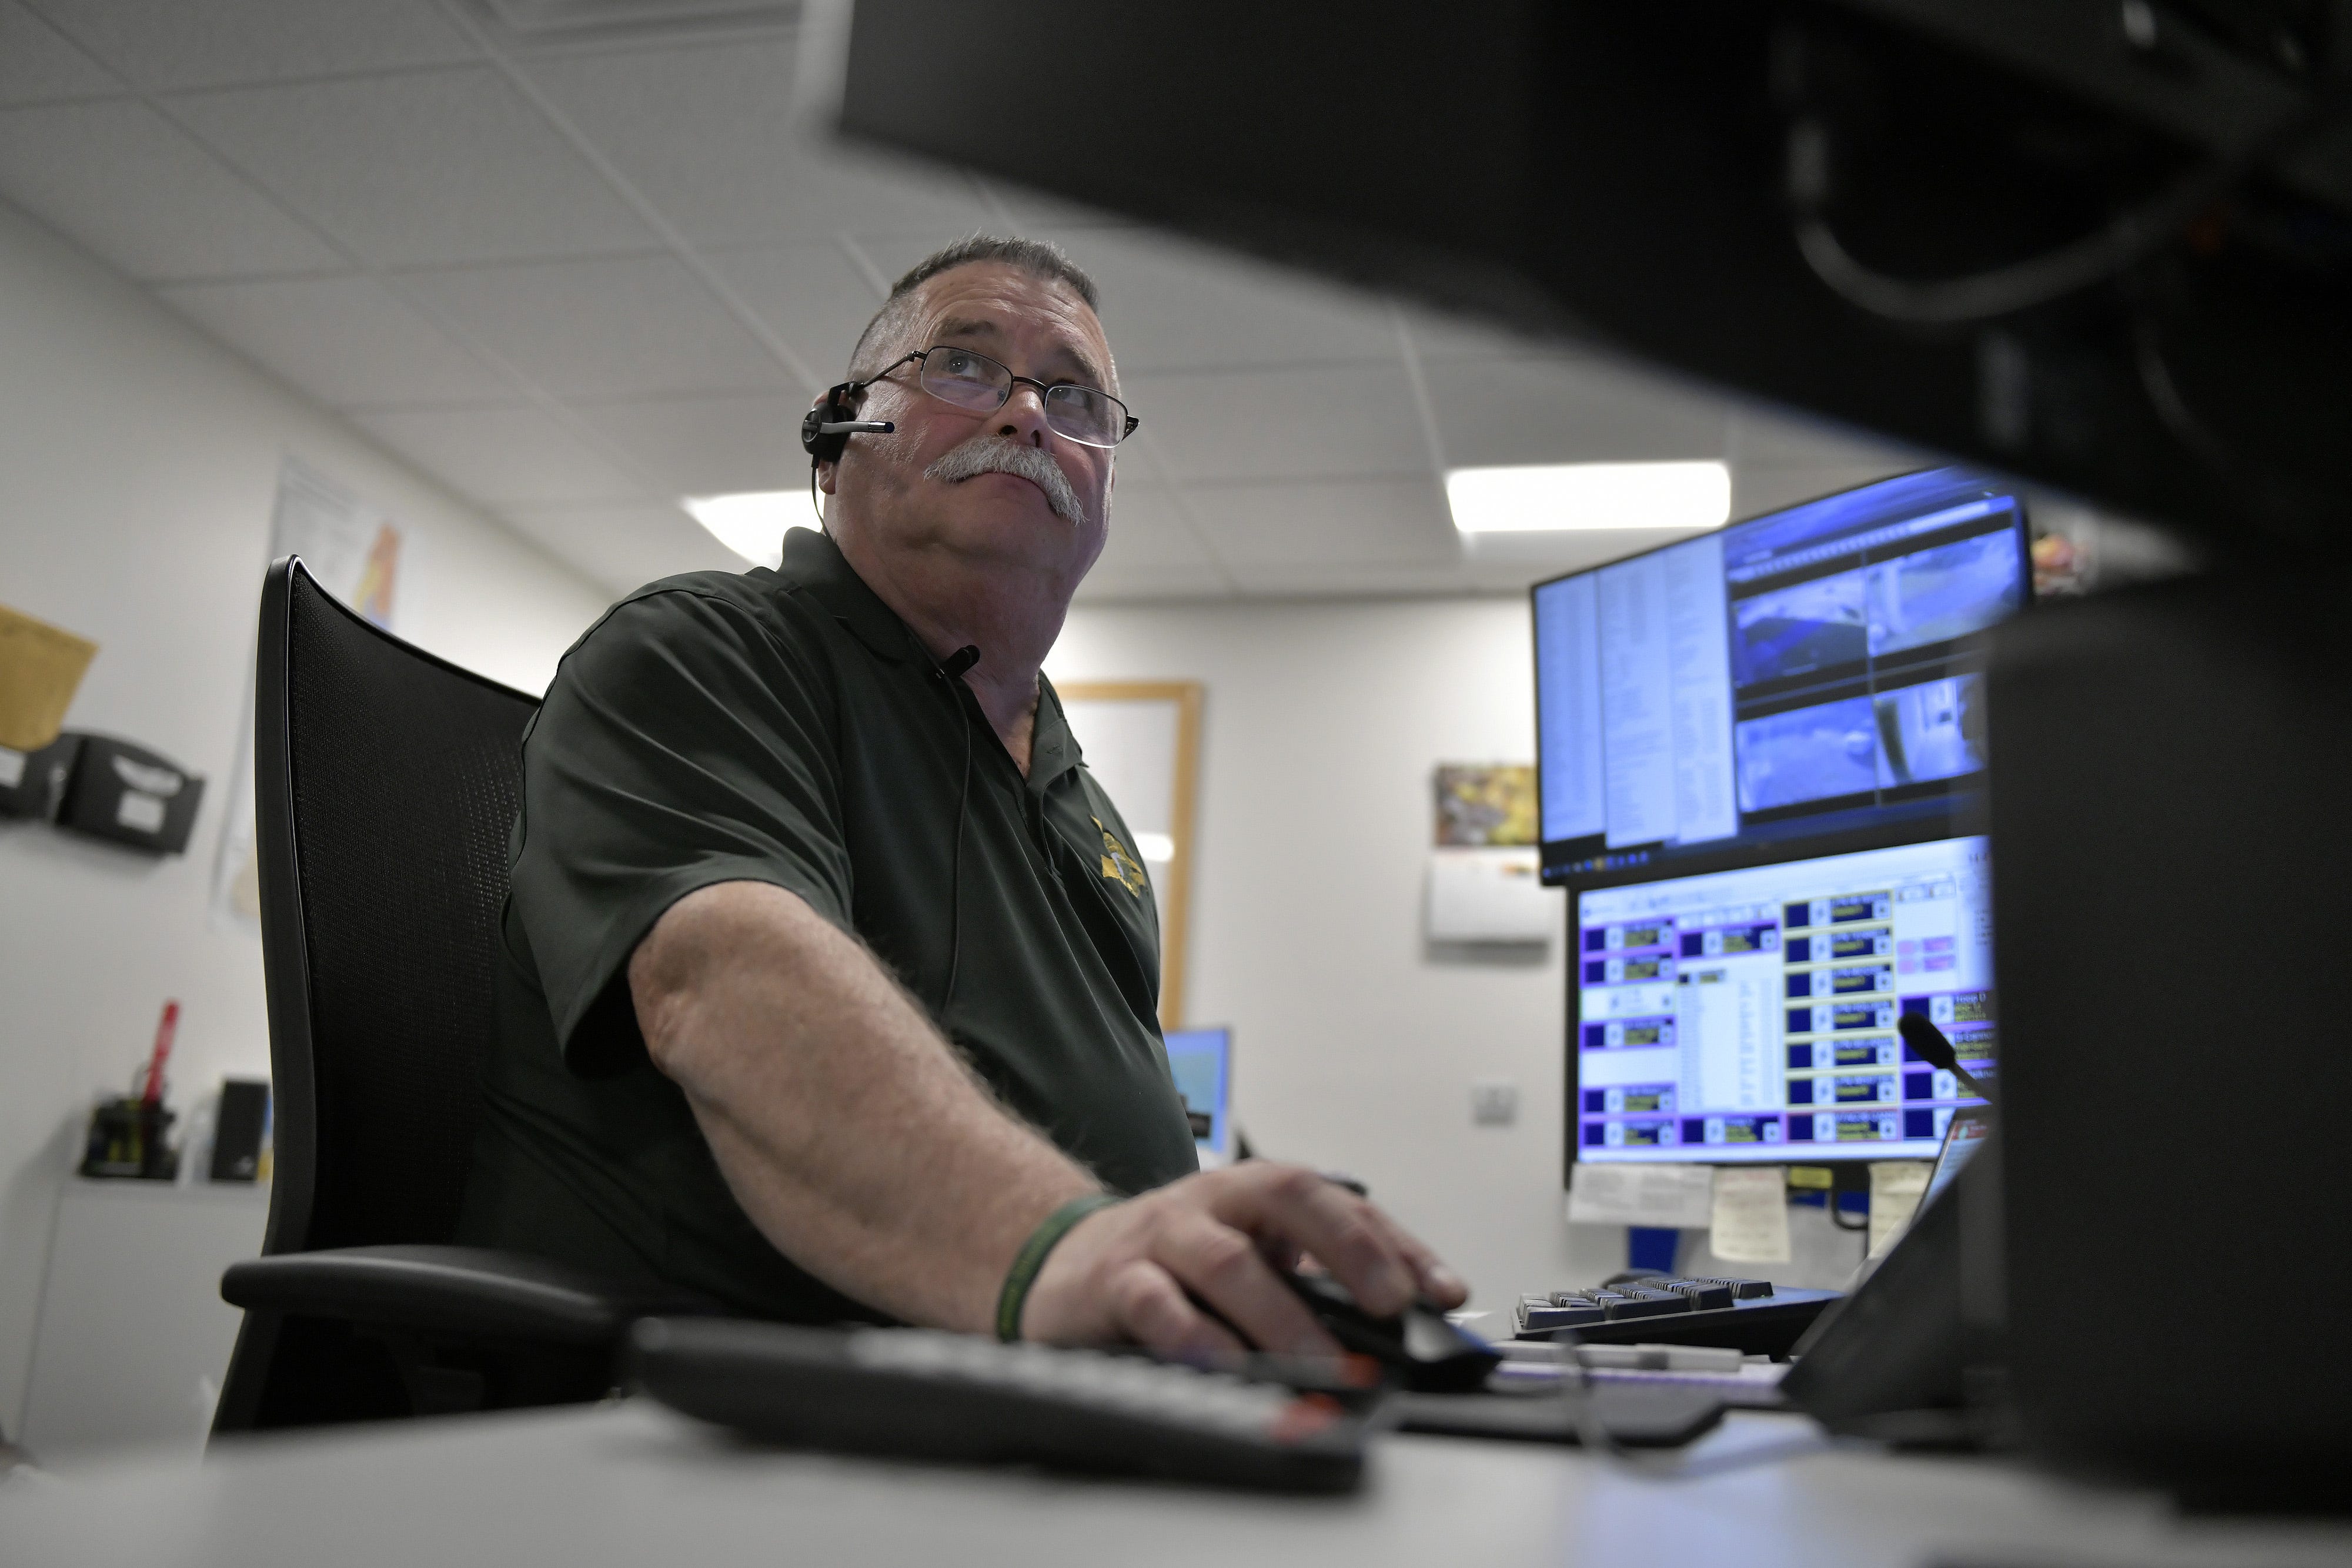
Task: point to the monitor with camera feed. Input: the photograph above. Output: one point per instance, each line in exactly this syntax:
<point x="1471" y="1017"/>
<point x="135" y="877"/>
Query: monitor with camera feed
<point x="1794" y="683"/>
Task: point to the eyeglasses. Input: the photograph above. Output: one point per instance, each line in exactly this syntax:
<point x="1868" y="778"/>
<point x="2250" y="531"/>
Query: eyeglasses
<point x="973" y="380"/>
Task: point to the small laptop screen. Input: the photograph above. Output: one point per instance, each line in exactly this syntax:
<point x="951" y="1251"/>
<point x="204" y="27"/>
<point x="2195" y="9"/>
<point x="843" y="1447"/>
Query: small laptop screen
<point x="1202" y="1062"/>
<point x="1961" y="1140"/>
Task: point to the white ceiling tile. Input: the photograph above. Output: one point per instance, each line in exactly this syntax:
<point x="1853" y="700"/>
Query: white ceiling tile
<point x="1170" y="305"/>
<point x="1794" y="441"/>
<point x="502" y="456"/>
<point x="1338" y="523"/>
<point x="1527" y="410"/>
<point x="1342" y="422"/>
<point x="1759" y="487"/>
<point x="419" y="168"/>
<point x="610" y="326"/>
<point x="38" y="64"/>
<point x="624" y="547"/>
<point x="1306" y="580"/>
<point x="1167" y="304"/>
<point x="1440" y="334"/>
<point x="1516" y="560"/>
<point x="1029" y="212"/>
<point x="122" y="181"/>
<point x="1114" y="583"/>
<point x="344" y="341"/>
<point x="808" y="295"/>
<point x="709" y="445"/>
<point x="707" y="135"/>
<point x="206" y="43"/>
<point x="1148" y="531"/>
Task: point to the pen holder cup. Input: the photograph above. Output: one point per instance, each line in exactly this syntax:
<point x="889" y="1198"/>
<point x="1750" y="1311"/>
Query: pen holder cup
<point x="128" y="1138"/>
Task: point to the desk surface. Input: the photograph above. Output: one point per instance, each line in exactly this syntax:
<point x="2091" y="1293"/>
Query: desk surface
<point x="634" y="1484"/>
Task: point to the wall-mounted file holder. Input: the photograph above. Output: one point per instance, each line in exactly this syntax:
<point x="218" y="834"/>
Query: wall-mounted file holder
<point x="33" y="783"/>
<point x="130" y="795"/>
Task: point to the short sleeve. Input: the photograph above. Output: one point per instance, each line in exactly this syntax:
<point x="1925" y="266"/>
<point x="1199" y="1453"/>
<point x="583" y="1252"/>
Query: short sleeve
<point x="686" y="740"/>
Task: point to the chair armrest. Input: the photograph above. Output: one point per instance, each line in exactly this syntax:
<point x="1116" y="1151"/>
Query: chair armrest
<point x="464" y="1291"/>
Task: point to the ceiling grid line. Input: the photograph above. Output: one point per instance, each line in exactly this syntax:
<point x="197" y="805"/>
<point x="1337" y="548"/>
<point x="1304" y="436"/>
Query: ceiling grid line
<point x="646" y="213"/>
<point x="1180" y="503"/>
<point x="465" y="343"/>
<point x="574" y="281"/>
<point x="874" y="274"/>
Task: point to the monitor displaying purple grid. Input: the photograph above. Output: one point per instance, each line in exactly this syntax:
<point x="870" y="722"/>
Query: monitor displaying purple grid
<point x="1749" y="1015"/>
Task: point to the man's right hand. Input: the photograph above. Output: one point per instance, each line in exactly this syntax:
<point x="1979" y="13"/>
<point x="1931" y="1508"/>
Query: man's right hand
<point x="1136" y="1271"/>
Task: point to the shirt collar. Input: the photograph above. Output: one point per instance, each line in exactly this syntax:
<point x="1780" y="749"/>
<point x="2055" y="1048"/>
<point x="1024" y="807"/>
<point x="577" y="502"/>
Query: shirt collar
<point x="814" y="564"/>
<point x="1052" y="750"/>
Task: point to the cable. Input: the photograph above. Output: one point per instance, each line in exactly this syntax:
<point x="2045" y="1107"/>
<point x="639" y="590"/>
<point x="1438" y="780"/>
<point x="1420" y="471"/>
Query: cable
<point x="2005" y="290"/>
<point x="955" y="875"/>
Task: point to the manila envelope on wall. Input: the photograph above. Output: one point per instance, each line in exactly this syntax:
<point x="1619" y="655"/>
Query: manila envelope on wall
<point x="39" y="668"/>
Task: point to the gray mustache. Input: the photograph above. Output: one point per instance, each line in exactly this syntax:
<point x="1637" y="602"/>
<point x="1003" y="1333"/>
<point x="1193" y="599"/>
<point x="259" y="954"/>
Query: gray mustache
<point x="998" y="454"/>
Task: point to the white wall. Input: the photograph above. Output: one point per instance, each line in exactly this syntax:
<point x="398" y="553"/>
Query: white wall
<point x="137" y="464"/>
<point x="1355" y="1043"/>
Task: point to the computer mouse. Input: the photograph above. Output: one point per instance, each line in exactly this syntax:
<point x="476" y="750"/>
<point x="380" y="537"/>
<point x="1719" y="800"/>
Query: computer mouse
<point x="1418" y="1348"/>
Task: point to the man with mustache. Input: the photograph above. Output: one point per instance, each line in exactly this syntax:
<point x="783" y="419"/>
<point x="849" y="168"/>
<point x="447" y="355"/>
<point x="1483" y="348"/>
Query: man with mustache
<point x="831" y="979"/>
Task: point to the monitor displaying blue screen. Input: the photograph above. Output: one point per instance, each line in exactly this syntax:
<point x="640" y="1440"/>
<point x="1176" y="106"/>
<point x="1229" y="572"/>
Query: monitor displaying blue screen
<point x="1749" y="1015"/>
<point x="1202" y="1060"/>
<point x="1791" y="684"/>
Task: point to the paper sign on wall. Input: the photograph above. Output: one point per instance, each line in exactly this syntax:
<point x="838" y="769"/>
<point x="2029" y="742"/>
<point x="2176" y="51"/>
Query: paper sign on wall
<point x="40" y="667"/>
<point x="1666" y="1196"/>
<point x="1750" y="1218"/>
<point x="1895" y="1186"/>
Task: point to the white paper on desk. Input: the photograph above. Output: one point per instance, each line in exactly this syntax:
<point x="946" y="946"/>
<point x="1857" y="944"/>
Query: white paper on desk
<point x="1895" y="1186"/>
<point x="1751" y="1215"/>
<point x="1672" y="1196"/>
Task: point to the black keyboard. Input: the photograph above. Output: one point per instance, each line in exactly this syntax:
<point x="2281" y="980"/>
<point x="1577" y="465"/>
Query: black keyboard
<point x="1750" y="1316"/>
<point x="926" y="1395"/>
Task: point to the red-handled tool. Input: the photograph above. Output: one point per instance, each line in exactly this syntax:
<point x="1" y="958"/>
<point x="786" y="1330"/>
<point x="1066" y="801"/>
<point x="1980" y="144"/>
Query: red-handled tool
<point x="164" y="1030"/>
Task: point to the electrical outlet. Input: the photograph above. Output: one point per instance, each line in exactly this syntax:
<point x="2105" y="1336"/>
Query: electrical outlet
<point x="1494" y="1103"/>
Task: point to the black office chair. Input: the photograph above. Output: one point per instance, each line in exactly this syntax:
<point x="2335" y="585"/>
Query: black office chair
<point x="385" y="782"/>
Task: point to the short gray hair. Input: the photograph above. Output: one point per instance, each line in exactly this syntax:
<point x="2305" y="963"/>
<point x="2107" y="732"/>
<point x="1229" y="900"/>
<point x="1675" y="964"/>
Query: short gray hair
<point x="1039" y="258"/>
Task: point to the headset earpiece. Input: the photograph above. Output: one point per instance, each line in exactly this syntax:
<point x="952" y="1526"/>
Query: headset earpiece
<point x="835" y="409"/>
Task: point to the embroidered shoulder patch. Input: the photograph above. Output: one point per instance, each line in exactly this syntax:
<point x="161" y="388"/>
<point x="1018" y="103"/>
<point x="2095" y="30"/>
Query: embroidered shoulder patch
<point x="1118" y="865"/>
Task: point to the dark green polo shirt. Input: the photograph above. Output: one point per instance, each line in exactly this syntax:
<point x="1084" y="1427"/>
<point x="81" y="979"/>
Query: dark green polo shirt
<point x="785" y="727"/>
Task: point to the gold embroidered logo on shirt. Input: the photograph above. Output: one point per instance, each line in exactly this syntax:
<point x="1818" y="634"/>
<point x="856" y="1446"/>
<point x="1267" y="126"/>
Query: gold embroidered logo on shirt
<point x="1118" y="865"/>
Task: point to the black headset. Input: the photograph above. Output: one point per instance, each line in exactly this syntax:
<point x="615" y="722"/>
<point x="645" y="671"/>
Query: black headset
<point x="826" y="429"/>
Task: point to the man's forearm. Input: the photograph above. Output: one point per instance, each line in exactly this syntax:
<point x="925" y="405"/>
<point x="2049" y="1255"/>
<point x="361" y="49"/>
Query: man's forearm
<point x="846" y="1126"/>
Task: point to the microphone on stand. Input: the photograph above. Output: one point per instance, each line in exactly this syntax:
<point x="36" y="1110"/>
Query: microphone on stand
<point x="1927" y="1042"/>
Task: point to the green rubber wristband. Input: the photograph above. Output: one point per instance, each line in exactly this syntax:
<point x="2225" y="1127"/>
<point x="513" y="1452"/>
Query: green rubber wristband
<point x="1032" y="1259"/>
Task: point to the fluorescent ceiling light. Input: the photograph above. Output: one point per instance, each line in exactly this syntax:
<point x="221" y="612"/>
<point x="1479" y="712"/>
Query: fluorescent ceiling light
<point x="1547" y="496"/>
<point x="751" y="523"/>
<point x="1158" y="848"/>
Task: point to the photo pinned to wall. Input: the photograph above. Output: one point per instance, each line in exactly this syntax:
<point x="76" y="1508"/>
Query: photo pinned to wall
<point x="1484" y="886"/>
<point x="359" y="554"/>
<point x="1489" y="804"/>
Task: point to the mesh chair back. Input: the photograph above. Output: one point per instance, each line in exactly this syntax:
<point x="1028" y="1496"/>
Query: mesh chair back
<point x="385" y="783"/>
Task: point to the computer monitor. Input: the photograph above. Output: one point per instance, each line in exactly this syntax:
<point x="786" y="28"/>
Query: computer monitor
<point x="1795" y="683"/>
<point x="1749" y="1015"/>
<point x="1202" y="1060"/>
